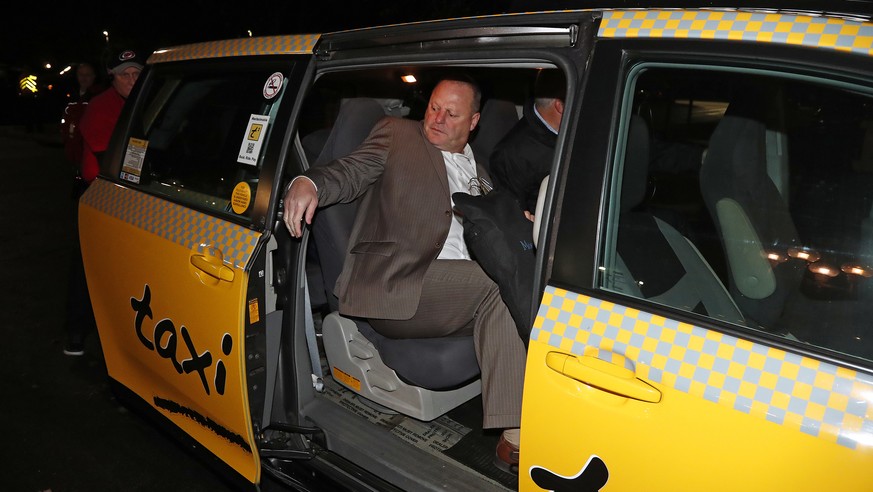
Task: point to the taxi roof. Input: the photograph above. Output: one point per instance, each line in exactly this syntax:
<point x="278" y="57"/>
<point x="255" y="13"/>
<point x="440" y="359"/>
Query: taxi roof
<point x="295" y="44"/>
<point x="838" y="28"/>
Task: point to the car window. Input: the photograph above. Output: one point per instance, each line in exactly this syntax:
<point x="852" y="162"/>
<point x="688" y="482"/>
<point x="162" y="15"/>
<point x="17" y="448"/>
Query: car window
<point x="745" y="196"/>
<point x="200" y="136"/>
<point x="403" y="92"/>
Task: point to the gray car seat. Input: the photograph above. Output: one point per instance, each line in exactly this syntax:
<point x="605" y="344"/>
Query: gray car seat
<point x="498" y="116"/>
<point x="422" y="378"/>
<point x="750" y="213"/>
<point x="655" y="261"/>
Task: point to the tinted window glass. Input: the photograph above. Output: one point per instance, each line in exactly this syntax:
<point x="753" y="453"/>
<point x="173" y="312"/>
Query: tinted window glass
<point x="747" y="197"/>
<point x="202" y="135"/>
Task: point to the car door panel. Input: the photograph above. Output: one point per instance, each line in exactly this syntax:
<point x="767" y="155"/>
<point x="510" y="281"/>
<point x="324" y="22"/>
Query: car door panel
<point x="185" y="361"/>
<point x="172" y="230"/>
<point x="718" y="391"/>
<point x="625" y="390"/>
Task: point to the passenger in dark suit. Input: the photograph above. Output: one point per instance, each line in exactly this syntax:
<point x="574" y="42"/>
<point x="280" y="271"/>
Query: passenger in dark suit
<point x="524" y="156"/>
<point x="408" y="270"/>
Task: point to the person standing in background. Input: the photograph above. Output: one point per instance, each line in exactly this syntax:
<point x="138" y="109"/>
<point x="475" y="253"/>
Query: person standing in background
<point x="88" y="87"/>
<point x="86" y="78"/>
<point x="99" y="119"/>
<point x="96" y="126"/>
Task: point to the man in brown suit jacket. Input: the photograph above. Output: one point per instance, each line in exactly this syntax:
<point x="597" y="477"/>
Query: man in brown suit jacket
<point x="407" y="270"/>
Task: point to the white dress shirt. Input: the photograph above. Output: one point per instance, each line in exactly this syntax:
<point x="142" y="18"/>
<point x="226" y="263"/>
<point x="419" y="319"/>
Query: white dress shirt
<point x="461" y="171"/>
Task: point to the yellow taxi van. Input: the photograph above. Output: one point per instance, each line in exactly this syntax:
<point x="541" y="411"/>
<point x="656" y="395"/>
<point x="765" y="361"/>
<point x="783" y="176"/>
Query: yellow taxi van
<point x="703" y="292"/>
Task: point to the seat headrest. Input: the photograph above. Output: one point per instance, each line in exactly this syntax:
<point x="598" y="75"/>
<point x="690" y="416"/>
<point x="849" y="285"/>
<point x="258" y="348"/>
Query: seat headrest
<point x="737" y="155"/>
<point x="497" y="117"/>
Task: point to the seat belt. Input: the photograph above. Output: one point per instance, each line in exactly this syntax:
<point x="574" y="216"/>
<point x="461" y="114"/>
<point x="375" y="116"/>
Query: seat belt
<point x="312" y="341"/>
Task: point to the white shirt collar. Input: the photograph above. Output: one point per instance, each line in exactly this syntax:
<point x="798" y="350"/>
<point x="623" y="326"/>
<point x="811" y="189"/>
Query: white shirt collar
<point x="536" y="112"/>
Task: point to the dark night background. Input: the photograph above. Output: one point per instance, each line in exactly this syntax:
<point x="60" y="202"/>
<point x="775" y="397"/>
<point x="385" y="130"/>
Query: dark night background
<point x="62" y="34"/>
<point x="61" y="427"/>
<point x="39" y="33"/>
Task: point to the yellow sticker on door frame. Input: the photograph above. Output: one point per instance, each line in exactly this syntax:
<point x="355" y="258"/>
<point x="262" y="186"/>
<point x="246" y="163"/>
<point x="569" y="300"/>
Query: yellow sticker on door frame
<point x="131" y="167"/>
<point x="241" y="197"/>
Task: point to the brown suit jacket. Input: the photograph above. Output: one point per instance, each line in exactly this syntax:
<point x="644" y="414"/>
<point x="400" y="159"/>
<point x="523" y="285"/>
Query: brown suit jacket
<point x="402" y="221"/>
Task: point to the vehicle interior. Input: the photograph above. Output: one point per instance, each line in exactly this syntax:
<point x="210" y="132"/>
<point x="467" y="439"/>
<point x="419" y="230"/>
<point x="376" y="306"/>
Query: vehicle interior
<point x="419" y="398"/>
<point x="767" y="176"/>
<point x="748" y="191"/>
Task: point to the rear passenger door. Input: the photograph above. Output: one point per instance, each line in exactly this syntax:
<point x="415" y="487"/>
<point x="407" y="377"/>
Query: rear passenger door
<point x="706" y="323"/>
<point x="173" y="240"/>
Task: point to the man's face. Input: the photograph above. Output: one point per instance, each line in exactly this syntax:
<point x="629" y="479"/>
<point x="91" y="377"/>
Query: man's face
<point x="123" y="81"/>
<point x="85" y="76"/>
<point x="450" y="118"/>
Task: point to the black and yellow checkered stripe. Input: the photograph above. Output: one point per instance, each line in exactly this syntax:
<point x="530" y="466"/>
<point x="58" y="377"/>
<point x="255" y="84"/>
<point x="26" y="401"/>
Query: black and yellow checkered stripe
<point x="803" y="30"/>
<point x="301" y="44"/>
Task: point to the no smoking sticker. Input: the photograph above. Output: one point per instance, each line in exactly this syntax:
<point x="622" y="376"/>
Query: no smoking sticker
<point x="273" y="85"/>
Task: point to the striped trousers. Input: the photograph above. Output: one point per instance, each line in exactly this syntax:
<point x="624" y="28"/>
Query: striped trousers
<point x="459" y="299"/>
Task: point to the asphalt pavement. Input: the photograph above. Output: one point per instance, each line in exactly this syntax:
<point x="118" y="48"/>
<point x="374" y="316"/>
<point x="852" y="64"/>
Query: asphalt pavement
<point x="61" y="429"/>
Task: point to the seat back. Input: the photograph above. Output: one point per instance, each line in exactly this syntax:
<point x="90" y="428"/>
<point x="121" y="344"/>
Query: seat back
<point x="750" y="213"/>
<point x="329" y="232"/>
<point x="422" y="378"/>
<point x="331" y="225"/>
<point x="655" y="261"/>
<point x="498" y="116"/>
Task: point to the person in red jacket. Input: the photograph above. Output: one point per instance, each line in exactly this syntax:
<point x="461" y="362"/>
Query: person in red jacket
<point x="96" y="126"/>
<point x="99" y="119"/>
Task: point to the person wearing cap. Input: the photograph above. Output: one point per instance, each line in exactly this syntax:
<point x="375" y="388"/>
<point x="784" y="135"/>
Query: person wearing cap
<point x="103" y="111"/>
<point x="96" y="127"/>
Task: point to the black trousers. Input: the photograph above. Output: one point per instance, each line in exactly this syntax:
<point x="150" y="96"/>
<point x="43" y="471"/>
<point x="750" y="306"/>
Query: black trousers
<point x="80" y="317"/>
